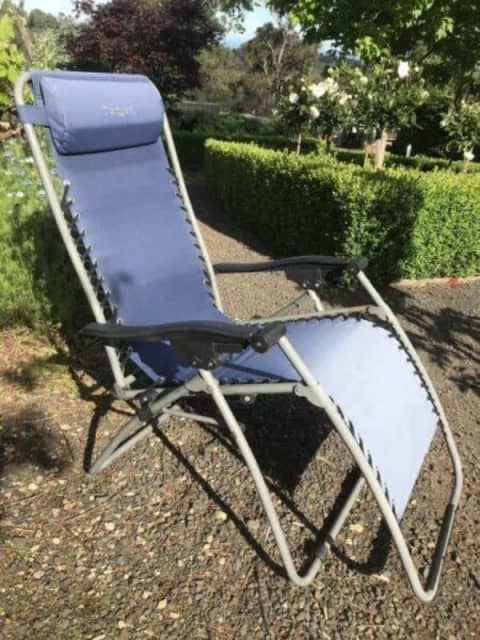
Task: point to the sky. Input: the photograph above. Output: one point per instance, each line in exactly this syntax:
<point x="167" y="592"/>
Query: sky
<point x="253" y="19"/>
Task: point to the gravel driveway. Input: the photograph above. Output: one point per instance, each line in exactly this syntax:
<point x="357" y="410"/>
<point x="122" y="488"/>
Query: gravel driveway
<point x="171" y="541"/>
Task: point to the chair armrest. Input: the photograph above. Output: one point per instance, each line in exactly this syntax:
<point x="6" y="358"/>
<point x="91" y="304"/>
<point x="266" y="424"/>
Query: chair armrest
<point x="308" y="271"/>
<point x="200" y="343"/>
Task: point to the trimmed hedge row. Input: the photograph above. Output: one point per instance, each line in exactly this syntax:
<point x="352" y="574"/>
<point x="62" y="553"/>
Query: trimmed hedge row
<point x="191" y="145"/>
<point x="410" y="224"/>
<point x="419" y="162"/>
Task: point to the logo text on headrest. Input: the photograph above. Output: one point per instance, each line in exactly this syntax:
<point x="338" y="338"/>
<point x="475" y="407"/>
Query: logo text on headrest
<point x="120" y="112"/>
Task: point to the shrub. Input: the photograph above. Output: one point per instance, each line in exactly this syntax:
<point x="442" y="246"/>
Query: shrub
<point x="37" y="282"/>
<point x="191" y="145"/>
<point x="221" y="124"/>
<point x="419" y="162"/>
<point x="410" y="224"/>
<point x="426" y="135"/>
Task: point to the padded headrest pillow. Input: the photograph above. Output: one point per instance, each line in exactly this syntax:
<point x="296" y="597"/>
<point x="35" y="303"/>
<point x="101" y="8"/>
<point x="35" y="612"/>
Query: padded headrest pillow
<point x="101" y="113"/>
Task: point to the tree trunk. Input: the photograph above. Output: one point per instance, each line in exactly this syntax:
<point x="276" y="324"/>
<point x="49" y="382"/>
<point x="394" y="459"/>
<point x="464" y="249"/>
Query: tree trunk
<point x="368" y="150"/>
<point x="299" y="143"/>
<point x="380" y="147"/>
<point x="328" y="143"/>
<point x="27" y="46"/>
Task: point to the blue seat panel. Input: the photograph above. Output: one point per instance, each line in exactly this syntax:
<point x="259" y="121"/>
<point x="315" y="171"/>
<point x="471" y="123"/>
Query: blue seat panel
<point x="363" y="368"/>
<point x="132" y="219"/>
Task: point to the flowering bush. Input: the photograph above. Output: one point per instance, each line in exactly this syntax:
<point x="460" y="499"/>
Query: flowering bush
<point x="320" y="107"/>
<point x="384" y="94"/>
<point x="463" y="129"/>
<point x="37" y="282"/>
<point x="378" y="96"/>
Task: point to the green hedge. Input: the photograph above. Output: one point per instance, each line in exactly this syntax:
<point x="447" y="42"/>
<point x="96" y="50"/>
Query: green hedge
<point x="410" y="224"/>
<point x="191" y="145"/>
<point x="419" y="162"/>
<point x="37" y="282"/>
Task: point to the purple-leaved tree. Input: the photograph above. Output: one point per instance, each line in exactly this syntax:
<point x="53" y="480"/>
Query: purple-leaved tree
<point x="160" y="39"/>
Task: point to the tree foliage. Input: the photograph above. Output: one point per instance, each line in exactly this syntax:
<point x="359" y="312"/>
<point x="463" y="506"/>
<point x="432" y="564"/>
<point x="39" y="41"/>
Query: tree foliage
<point x="462" y="125"/>
<point x="222" y="71"/>
<point x="49" y="51"/>
<point x="413" y="29"/>
<point x="277" y="53"/>
<point x="49" y="35"/>
<point x="252" y="78"/>
<point x="444" y="31"/>
<point x="396" y="24"/>
<point x="39" y="20"/>
<point x="11" y="60"/>
<point x="160" y="39"/>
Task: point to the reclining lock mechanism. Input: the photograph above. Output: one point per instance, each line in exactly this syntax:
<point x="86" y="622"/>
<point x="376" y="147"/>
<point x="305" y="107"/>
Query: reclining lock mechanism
<point x="307" y="277"/>
<point x="203" y="355"/>
<point x="314" y="276"/>
<point x="209" y="354"/>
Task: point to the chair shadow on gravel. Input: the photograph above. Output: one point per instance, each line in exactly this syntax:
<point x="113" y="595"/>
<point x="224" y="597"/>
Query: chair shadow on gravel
<point x="89" y="368"/>
<point x="450" y="336"/>
<point x="283" y="459"/>
<point x="25" y="441"/>
<point x="268" y="427"/>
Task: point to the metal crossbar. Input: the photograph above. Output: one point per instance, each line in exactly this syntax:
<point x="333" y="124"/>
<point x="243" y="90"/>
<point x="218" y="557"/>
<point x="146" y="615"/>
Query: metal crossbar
<point x="156" y="411"/>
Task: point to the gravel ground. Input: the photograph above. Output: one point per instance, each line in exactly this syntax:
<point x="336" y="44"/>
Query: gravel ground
<point x="171" y="541"/>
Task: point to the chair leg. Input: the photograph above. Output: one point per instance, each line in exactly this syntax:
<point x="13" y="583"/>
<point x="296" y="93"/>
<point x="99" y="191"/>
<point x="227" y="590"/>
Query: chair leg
<point x="424" y="593"/>
<point x="265" y="497"/>
<point x="137" y="428"/>
<point x="127" y="437"/>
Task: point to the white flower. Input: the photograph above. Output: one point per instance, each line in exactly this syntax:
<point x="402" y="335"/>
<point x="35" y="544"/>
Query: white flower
<point x="403" y="69"/>
<point x="354" y="129"/>
<point x="293" y="98"/>
<point x="363" y="79"/>
<point x="425" y="94"/>
<point x="19" y="194"/>
<point x="318" y="90"/>
<point x="468" y="155"/>
<point x="331" y="85"/>
<point x="315" y="113"/>
<point x="344" y="98"/>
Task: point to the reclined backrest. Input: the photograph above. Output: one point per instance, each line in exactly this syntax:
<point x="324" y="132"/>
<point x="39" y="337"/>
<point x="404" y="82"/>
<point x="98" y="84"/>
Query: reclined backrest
<point x="105" y="132"/>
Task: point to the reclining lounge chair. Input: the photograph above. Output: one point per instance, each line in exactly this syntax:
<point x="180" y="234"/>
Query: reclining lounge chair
<point x="128" y="225"/>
